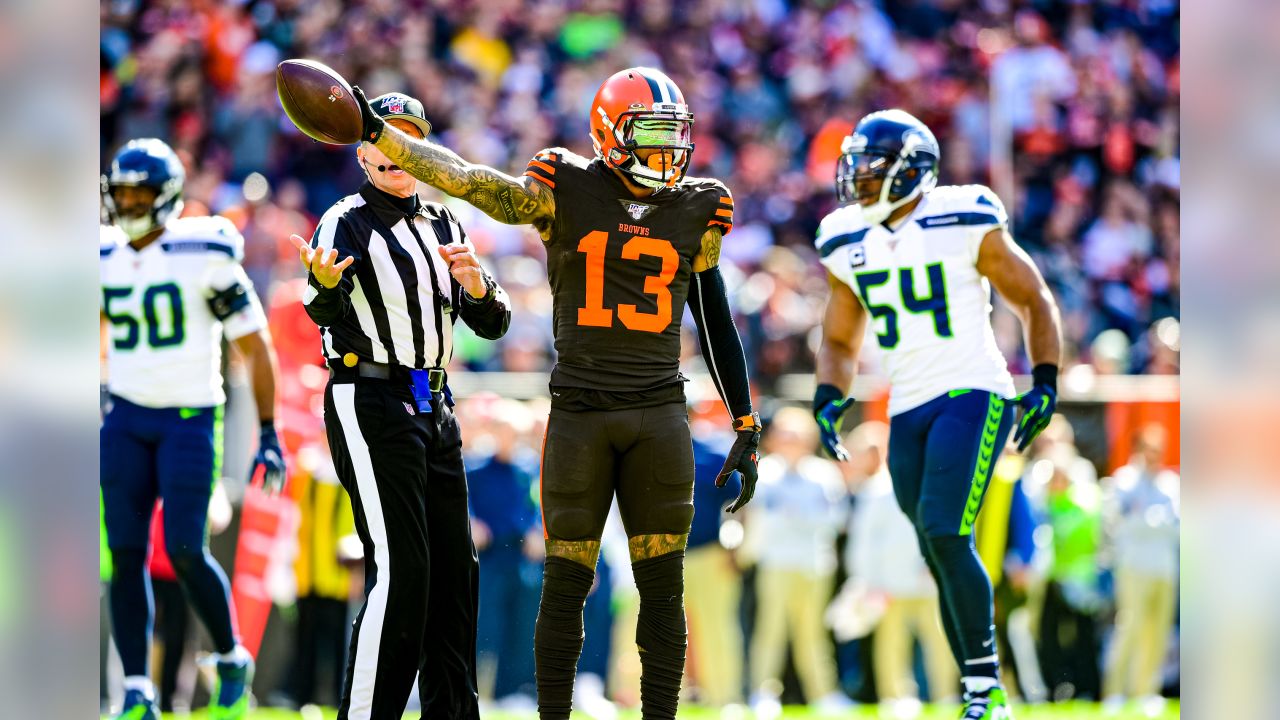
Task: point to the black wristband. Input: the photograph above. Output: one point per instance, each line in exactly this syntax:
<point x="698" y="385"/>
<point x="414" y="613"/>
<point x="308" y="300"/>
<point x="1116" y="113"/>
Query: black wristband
<point x="826" y="393"/>
<point x="1045" y="374"/>
<point x="268" y="424"/>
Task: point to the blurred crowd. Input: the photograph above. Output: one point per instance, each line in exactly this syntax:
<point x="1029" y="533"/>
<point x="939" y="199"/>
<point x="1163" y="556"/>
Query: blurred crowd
<point x="1068" y="109"/>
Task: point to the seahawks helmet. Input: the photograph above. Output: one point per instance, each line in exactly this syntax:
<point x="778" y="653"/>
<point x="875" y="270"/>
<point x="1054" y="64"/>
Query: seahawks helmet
<point x="151" y="163"/>
<point x="891" y="146"/>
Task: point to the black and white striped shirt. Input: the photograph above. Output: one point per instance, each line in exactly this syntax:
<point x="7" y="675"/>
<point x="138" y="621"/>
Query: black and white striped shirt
<point x="397" y="302"/>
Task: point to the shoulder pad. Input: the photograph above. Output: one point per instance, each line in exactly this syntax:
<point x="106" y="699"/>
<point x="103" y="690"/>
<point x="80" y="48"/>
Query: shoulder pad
<point x="544" y="165"/>
<point x="208" y="234"/>
<point x="842" y="226"/>
<point x="722" y="215"/>
<point x="963" y="205"/>
<point x="110" y="237"/>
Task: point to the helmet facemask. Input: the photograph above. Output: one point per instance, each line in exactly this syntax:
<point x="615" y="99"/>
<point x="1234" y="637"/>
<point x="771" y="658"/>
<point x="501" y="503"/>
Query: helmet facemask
<point x="166" y="206"/>
<point x="881" y="182"/>
<point x="666" y="131"/>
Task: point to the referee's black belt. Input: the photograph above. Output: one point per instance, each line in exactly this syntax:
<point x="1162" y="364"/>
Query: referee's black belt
<point x="436" y="377"/>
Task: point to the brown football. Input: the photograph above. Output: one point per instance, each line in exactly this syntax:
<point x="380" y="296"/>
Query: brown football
<point x="318" y="101"/>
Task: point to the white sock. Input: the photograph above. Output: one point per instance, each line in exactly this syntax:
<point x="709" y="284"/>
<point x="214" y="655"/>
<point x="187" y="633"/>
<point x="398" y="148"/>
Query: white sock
<point x="239" y="655"/>
<point x="977" y="684"/>
<point x="141" y="683"/>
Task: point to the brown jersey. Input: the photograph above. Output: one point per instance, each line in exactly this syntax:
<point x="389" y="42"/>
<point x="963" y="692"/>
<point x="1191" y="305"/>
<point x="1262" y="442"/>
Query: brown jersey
<point x="620" y="269"/>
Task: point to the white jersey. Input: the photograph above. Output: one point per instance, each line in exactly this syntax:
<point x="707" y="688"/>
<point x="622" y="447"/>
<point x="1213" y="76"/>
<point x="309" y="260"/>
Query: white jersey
<point x="929" y="308"/>
<point x="165" y="345"/>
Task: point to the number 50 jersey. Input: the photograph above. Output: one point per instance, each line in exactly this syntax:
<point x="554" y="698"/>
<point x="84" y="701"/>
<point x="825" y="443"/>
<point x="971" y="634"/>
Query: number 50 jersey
<point x="168" y="305"/>
<point x="620" y="268"/>
<point x="927" y="305"/>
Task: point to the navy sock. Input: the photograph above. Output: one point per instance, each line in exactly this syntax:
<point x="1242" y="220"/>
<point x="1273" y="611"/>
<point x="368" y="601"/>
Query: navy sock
<point x="131" y="610"/>
<point x="660" y="633"/>
<point x="209" y="593"/>
<point x="944" y="608"/>
<point x="965" y="591"/>
<point x="557" y="637"/>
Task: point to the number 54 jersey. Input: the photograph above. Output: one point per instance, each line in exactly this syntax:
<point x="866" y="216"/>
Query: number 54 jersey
<point x="169" y="305"/>
<point x="928" y="306"/>
<point x="620" y="269"/>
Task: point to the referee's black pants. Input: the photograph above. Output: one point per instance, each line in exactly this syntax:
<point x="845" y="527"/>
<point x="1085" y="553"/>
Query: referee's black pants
<point x="403" y="470"/>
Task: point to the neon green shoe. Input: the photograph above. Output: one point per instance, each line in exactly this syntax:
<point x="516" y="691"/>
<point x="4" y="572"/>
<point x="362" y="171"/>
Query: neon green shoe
<point x="231" y="692"/>
<point x="138" y="706"/>
<point x="990" y="704"/>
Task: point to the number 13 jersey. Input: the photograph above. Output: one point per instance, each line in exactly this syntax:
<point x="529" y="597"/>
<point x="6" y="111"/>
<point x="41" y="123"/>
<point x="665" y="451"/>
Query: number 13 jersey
<point x="928" y="307"/>
<point x="619" y="268"/>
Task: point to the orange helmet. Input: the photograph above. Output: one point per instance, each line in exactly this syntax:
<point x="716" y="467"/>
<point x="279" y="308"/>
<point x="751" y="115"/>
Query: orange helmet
<point x="642" y="109"/>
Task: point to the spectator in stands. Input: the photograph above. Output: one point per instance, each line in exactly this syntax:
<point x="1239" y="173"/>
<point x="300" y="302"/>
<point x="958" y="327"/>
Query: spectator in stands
<point x="886" y="568"/>
<point x="1090" y="94"/>
<point x="1072" y="600"/>
<point x="323" y="581"/>
<point x="1142" y="518"/>
<point x="791" y="528"/>
<point x="505" y="525"/>
<point x="713" y="588"/>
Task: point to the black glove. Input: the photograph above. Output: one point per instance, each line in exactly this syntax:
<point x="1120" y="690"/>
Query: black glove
<point x="744" y="457"/>
<point x="829" y="407"/>
<point x="372" y="123"/>
<point x="1037" y="404"/>
<point x="270" y="458"/>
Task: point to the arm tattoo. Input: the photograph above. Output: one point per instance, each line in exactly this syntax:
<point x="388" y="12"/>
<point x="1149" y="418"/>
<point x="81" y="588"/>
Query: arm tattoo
<point x="651" y="546"/>
<point x="514" y="201"/>
<point x="711" y="240"/>
<point x="583" y="552"/>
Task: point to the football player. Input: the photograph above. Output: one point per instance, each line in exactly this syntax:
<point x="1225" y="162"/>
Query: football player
<point x="171" y="289"/>
<point x="629" y="240"/>
<point x="916" y="262"/>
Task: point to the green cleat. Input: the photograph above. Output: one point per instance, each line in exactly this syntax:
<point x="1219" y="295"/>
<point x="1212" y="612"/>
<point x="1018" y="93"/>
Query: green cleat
<point x="138" y="706"/>
<point x="990" y="704"/>
<point x="231" y="693"/>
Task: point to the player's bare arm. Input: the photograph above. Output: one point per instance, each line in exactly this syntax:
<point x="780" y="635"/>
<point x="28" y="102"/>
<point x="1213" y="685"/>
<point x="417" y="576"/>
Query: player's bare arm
<point x="511" y="200"/>
<point x="709" y="256"/>
<point x="843" y="327"/>
<point x="1019" y="282"/>
<point x="842" y="332"/>
<point x="260" y="356"/>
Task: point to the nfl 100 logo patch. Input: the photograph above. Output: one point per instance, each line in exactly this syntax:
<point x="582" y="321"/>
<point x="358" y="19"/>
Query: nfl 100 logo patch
<point x="636" y="210"/>
<point x="393" y="104"/>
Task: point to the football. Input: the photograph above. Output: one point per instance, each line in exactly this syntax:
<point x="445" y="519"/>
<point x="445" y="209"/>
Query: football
<point x="318" y="101"/>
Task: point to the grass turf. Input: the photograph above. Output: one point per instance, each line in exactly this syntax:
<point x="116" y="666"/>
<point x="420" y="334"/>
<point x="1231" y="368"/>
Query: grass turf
<point x="1065" y="711"/>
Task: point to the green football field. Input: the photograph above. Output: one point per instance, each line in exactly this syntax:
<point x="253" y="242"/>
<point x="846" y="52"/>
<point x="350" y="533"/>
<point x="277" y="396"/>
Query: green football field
<point x="1066" y="711"/>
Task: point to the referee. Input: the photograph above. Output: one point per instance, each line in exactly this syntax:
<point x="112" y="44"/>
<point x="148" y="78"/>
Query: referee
<point x="388" y="275"/>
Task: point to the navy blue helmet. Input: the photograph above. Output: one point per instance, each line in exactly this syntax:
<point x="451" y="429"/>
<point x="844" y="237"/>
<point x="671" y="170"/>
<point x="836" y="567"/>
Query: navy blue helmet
<point x="890" y="159"/>
<point x="149" y="163"/>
